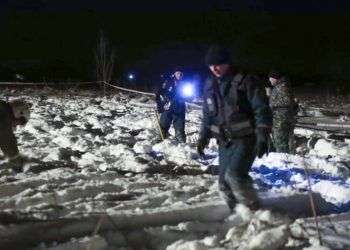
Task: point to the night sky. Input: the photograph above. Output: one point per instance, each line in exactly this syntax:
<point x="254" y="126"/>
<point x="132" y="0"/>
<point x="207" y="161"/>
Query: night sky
<point x="309" y="40"/>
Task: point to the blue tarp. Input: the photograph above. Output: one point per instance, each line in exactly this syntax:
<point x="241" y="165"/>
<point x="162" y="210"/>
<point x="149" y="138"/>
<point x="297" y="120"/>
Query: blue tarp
<point x="275" y="177"/>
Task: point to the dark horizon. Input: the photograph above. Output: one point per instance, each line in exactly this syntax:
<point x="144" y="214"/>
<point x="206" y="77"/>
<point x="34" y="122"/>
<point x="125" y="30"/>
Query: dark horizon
<point x="133" y="6"/>
<point x="307" y="40"/>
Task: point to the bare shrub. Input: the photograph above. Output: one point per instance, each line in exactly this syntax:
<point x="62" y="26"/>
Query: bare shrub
<point x="104" y="58"/>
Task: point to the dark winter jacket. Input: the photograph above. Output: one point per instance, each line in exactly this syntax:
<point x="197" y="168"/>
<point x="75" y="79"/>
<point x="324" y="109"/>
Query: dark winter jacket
<point x="8" y="142"/>
<point x="234" y="106"/>
<point x="168" y="97"/>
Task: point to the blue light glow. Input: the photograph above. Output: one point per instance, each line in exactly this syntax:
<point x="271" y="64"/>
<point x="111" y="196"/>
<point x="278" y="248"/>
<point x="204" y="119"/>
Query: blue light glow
<point x="187" y="90"/>
<point x="131" y="77"/>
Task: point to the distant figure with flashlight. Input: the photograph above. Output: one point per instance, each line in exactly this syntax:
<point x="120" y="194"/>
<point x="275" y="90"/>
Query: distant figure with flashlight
<point x="235" y="112"/>
<point x="171" y="98"/>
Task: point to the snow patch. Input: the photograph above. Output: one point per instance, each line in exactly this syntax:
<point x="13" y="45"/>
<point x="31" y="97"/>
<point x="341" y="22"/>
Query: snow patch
<point x="331" y="192"/>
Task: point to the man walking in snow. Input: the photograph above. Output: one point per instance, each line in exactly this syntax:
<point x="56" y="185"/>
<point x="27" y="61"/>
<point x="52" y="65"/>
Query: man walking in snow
<point x="172" y="107"/>
<point x="12" y="114"/>
<point x="237" y="114"/>
<point x="284" y="110"/>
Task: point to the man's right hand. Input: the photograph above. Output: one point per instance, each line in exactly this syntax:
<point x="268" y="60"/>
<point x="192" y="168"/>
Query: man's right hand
<point x="201" y="144"/>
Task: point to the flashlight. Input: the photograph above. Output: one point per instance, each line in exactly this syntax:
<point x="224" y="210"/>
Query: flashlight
<point x="131" y="77"/>
<point x="187" y="90"/>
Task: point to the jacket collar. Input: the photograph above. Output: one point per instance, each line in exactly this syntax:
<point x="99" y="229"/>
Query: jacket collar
<point x="228" y="77"/>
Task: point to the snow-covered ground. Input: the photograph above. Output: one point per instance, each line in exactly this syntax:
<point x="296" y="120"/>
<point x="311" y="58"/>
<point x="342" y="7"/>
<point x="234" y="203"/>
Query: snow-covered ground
<point x="100" y="174"/>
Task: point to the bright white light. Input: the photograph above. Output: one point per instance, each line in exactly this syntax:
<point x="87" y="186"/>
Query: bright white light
<point x="131" y="76"/>
<point x="188" y="90"/>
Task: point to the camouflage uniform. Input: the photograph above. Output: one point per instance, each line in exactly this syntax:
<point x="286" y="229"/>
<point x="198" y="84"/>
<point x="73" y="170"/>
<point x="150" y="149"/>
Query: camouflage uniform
<point x="236" y="113"/>
<point x="8" y="142"/>
<point x="284" y="108"/>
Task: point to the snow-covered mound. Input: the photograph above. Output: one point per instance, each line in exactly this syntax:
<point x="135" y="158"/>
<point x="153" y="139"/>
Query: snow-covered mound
<point x="93" y="155"/>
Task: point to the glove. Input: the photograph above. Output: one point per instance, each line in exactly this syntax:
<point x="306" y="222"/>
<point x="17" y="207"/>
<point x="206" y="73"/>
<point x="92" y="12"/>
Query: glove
<point x="201" y="144"/>
<point x="160" y="110"/>
<point x="262" y="145"/>
<point x="167" y="106"/>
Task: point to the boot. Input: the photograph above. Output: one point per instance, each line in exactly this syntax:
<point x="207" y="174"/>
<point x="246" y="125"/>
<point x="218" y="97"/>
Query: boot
<point x="228" y="197"/>
<point x="181" y="137"/>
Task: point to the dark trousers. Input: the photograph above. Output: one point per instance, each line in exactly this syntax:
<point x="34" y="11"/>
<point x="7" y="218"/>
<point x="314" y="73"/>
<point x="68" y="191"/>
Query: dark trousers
<point x="177" y="119"/>
<point x="8" y="141"/>
<point x="235" y="161"/>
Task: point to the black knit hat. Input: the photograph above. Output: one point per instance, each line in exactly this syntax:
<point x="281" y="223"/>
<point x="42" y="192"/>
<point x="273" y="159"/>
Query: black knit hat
<point x="217" y="55"/>
<point x="178" y="68"/>
<point x="275" y="74"/>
